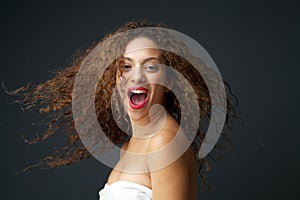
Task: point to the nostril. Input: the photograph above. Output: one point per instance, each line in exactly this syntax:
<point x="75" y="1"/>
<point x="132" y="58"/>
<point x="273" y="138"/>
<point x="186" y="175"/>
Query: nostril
<point x="139" y="79"/>
<point x="142" y="79"/>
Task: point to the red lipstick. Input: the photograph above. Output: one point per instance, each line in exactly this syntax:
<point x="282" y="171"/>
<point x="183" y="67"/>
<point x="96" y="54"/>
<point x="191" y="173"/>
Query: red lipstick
<point x="138" y="97"/>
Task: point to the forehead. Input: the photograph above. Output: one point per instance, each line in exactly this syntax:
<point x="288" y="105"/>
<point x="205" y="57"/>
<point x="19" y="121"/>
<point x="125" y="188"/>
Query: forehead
<point x="141" y="47"/>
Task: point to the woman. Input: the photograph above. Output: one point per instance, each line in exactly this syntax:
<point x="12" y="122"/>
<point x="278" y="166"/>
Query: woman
<point x="141" y="71"/>
<point x="146" y="104"/>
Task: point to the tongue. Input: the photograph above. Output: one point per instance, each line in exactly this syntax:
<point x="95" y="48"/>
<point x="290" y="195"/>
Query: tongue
<point x="137" y="99"/>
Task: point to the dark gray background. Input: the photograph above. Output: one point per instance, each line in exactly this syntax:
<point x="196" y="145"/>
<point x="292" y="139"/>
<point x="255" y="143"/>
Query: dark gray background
<point x="254" y="44"/>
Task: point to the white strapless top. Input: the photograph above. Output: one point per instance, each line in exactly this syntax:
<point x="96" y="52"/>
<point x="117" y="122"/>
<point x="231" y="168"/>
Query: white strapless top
<point x="125" y="190"/>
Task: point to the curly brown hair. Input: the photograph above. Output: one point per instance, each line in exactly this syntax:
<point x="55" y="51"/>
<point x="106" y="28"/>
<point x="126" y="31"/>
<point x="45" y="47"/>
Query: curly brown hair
<point x="54" y="97"/>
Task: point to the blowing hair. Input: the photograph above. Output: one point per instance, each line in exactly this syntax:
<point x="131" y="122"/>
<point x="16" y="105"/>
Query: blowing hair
<point x="54" y="98"/>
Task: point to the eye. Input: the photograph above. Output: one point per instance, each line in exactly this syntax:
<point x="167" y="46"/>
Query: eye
<point x="126" y="68"/>
<point x="151" y="68"/>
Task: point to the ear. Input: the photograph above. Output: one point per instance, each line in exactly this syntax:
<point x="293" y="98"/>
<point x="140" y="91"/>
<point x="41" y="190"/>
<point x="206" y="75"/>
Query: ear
<point x="169" y="84"/>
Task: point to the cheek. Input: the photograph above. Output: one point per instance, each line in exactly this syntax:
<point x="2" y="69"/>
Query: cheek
<point x="158" y="78"/>
<point x="158" y="91"/>
<point x="121" y="85"/>
<point x="121" y="80"/>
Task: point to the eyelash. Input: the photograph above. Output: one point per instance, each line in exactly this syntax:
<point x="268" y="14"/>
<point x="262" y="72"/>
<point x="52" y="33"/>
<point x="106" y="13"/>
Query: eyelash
<point x="148" y="68"/>
<point x="151" y="68"/>
<point x="126" y="68"/>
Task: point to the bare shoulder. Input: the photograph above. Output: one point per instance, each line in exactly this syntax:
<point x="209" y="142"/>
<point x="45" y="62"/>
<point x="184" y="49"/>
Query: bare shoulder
<point x="165" y="136"/>
<point x="176" y="158"/>
<point x="177" y="178"/>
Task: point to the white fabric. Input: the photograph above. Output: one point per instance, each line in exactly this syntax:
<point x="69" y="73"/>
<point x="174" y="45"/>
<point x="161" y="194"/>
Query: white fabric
<point x="125" y="190"/>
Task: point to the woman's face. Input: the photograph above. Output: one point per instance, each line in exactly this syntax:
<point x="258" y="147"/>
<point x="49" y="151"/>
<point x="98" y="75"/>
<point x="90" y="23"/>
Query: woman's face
<point x="142" y="70"/>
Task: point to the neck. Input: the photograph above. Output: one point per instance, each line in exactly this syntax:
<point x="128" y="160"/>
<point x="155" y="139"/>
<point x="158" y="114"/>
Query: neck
<point x="150" y="125"/>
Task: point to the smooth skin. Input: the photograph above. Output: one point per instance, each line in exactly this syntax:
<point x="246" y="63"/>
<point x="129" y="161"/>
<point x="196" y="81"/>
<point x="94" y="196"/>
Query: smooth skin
<point x="178" y="180"/>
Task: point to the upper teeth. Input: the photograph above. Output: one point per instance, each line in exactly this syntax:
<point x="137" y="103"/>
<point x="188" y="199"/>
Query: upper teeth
<point x="138" y="91"/>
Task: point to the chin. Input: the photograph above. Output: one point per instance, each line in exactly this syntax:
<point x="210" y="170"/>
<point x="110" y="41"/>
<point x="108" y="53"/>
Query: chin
<point x="136" y="115"/>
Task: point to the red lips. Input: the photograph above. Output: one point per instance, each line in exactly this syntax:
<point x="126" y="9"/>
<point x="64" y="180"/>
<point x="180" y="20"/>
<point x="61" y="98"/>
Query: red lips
<point x="138" y="97"/>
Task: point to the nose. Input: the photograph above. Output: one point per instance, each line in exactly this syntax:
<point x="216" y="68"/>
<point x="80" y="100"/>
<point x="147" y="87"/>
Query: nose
<point x="138" y="75"/>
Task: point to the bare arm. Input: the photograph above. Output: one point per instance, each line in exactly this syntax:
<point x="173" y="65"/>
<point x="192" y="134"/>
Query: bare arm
<point x="173" y="181"/>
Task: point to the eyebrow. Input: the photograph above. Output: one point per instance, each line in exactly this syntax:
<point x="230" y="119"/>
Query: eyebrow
<point x="144" y="61"/>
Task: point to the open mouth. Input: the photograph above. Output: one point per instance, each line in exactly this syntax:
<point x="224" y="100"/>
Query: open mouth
<point x="138" y="97"/>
